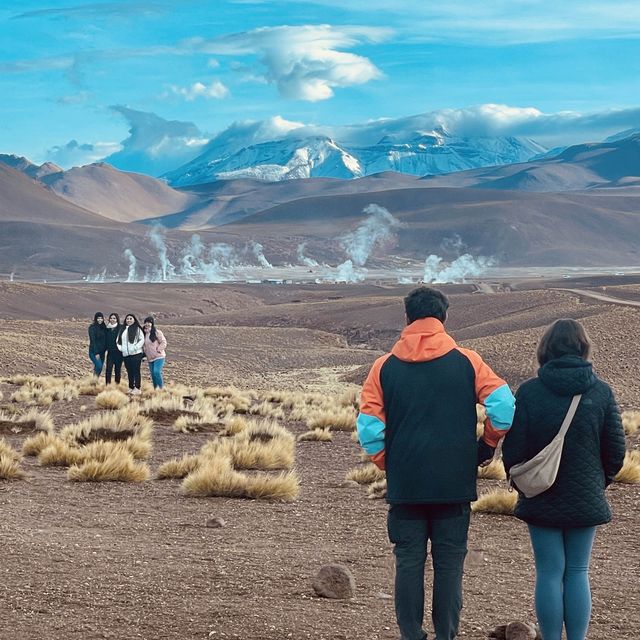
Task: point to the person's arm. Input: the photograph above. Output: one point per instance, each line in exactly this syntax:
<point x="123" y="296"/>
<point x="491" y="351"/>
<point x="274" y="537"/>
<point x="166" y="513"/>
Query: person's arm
<point x="514" y="446"/>
<point x="162" y="341"/>
<point x="612" y="444"/>
<point x="371" y="419"/>
<point x="139" y="344"/>
<point x="494" y="393"/>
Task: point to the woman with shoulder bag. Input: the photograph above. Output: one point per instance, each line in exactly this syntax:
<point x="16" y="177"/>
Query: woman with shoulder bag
<point x="562" y="519"/>
<point x="131" y="342"/>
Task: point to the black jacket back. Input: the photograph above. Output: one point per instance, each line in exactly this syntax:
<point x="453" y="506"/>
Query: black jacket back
<point x="593" y="450"/>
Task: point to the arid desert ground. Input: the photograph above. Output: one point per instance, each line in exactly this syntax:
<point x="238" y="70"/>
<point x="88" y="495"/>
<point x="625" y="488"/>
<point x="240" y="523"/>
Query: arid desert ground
<point x="123" y="560"/>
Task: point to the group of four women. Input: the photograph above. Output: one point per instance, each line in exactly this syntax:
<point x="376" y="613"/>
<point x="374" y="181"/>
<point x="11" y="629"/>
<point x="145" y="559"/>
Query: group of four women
<point x="113" y="343"/>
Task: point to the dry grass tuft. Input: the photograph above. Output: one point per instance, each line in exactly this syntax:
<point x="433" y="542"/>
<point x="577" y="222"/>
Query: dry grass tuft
<point x="178" y="467"/>
<point x="236" y="425"/>
<point x="90" y="386"/>
<point x="631" y="422"/>
<point x="216" y="477"/>
<point x="28" y="422"/>
<point x="630" y="472"/>
<point x="493" y="471"/>
<point x="267" y="410"/>
<point x="118" y="466"/>
<point x="377" y="490"/>
<point x="365" y="474"/>
<point x="499" y="501"/>
<point x="33" y="445"/>
<point x="9" y="462"/>
<point x="59" y="454"/>
<point x="123" y="425"/>
<point x="111" y="399"/>
<point x="165" y="407"/>
<point x="343" y="419"/>
<point x="318" y="435"/>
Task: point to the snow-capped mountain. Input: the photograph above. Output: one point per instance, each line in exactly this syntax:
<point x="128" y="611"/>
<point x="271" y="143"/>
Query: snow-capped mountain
<point x="290" y="157"/>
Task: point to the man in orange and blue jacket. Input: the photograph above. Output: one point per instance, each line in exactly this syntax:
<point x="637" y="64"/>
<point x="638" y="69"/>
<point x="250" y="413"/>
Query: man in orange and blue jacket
<point x="418" y="422"/>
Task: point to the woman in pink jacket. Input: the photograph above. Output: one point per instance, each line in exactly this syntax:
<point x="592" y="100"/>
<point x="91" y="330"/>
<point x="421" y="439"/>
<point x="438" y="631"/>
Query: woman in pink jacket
<point x="154" y="349"/>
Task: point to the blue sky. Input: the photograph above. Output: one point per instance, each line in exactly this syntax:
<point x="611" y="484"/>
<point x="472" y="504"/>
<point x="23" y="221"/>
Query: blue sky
<point x="573" y="66"/>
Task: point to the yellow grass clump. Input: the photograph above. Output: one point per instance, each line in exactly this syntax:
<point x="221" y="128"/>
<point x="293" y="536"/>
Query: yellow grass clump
<point x="499" y="501"/>
<point x="343" y="419"/>
<point x="365" y="474"/>
<point x="122" y="425"/>
<point x="216" y="477"/>
<point x="630" y="472"/>
<point x="33" y="445"/>
<point x="267" y="410"/>
<point x="90" y="386"/>
<point x="631" y="422"/>
<point x="178" y="467"/>
<point x="9" y="462"/>
<point x="377" y="490"/>
<point x="318" y="435"/>
<point x="493" y="471"/>
<point x="31" y="420"/>
<point x="117" y="467"/>
<point x="111" y="399"/>
<point x="236" y="425"/>
<point x="59" y="454"/>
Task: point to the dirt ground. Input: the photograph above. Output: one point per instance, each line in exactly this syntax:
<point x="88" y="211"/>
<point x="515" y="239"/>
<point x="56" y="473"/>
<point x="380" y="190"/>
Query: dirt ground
<point x="122" y="561"/>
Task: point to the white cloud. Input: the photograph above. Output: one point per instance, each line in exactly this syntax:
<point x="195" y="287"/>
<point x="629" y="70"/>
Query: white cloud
<point x="304" y="62"/>
<point x="76" y="154"/>
<point x="215" y="89"/>
<point x="155" y="145"/>
<point x="212" y="63"/>
<point x="499" y="22"/>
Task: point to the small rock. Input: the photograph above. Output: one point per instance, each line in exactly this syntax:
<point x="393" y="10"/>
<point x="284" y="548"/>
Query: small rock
<point x="384" y="596"/>
<point x="520" y="631"/>
<point x="334" y="581"/>
<point x="215" y="523"/>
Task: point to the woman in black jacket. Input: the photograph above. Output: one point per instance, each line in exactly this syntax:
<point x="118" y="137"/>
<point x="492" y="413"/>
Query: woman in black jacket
<point x="562" y="520"/>
<point x="114" y="357"/>
<point x="97" y="343"/>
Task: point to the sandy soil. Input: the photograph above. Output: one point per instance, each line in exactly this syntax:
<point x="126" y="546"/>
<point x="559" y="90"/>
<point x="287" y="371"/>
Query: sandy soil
<point x="111" y="560"/>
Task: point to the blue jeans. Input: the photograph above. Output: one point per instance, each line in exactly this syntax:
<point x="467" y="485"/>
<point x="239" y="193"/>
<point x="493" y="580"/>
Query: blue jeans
<point x="563" y="595"/>
<point x="410" y="527"/>
<point x="155" y="368"/>
<point x="98" y="362"/>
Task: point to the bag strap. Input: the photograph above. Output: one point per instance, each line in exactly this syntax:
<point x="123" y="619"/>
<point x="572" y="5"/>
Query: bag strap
<point x="569" y="417"/>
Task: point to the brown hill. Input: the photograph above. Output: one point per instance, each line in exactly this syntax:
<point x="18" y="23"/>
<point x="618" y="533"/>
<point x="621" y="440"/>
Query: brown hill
<point x="121" y="196"/>
<point x="580" y="167"/>
<point x="513" y="227"/>
<point x="42" y="235"/>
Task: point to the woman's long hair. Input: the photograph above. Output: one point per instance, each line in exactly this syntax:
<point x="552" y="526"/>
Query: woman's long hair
<point x="132" y="329"/>
<point x="564" y="337"/>
<point x="96" y="315"/>
<point x="153" y="336"/>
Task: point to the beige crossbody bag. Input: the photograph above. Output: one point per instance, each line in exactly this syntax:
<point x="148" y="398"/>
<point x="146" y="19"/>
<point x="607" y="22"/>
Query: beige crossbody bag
<point x="538" y="474"/>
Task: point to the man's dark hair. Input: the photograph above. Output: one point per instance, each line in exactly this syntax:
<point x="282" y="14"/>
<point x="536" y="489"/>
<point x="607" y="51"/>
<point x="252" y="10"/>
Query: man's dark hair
<point x="565" y="337"/>
<point x="425" y="302"/>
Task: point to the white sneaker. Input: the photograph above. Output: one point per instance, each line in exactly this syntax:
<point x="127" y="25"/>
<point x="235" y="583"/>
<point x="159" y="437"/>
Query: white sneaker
<point x="136" y="392"/>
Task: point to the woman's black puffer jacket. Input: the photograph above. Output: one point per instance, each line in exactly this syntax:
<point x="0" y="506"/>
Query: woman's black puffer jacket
<point x="594" y="446"/>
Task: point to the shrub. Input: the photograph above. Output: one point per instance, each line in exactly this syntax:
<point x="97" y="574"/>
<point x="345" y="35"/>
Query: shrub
<point x="216" y="477"/>
<point x="631" y="422"/>
<point x="377" y="490"/>
<point x="498" y="501"/>
<point x="630" y="472"/>
<point x="319" y="435"/>
<point x="178" y="467"/>
<point x="9" y="463"/>
<point x="365" y="474"/>
<point x="337" y="420"/>
<point x="493" y="471"/>
<point x="111" y="399"/>
<point x="118" y="467"/>
<point x="33" y="445"/>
